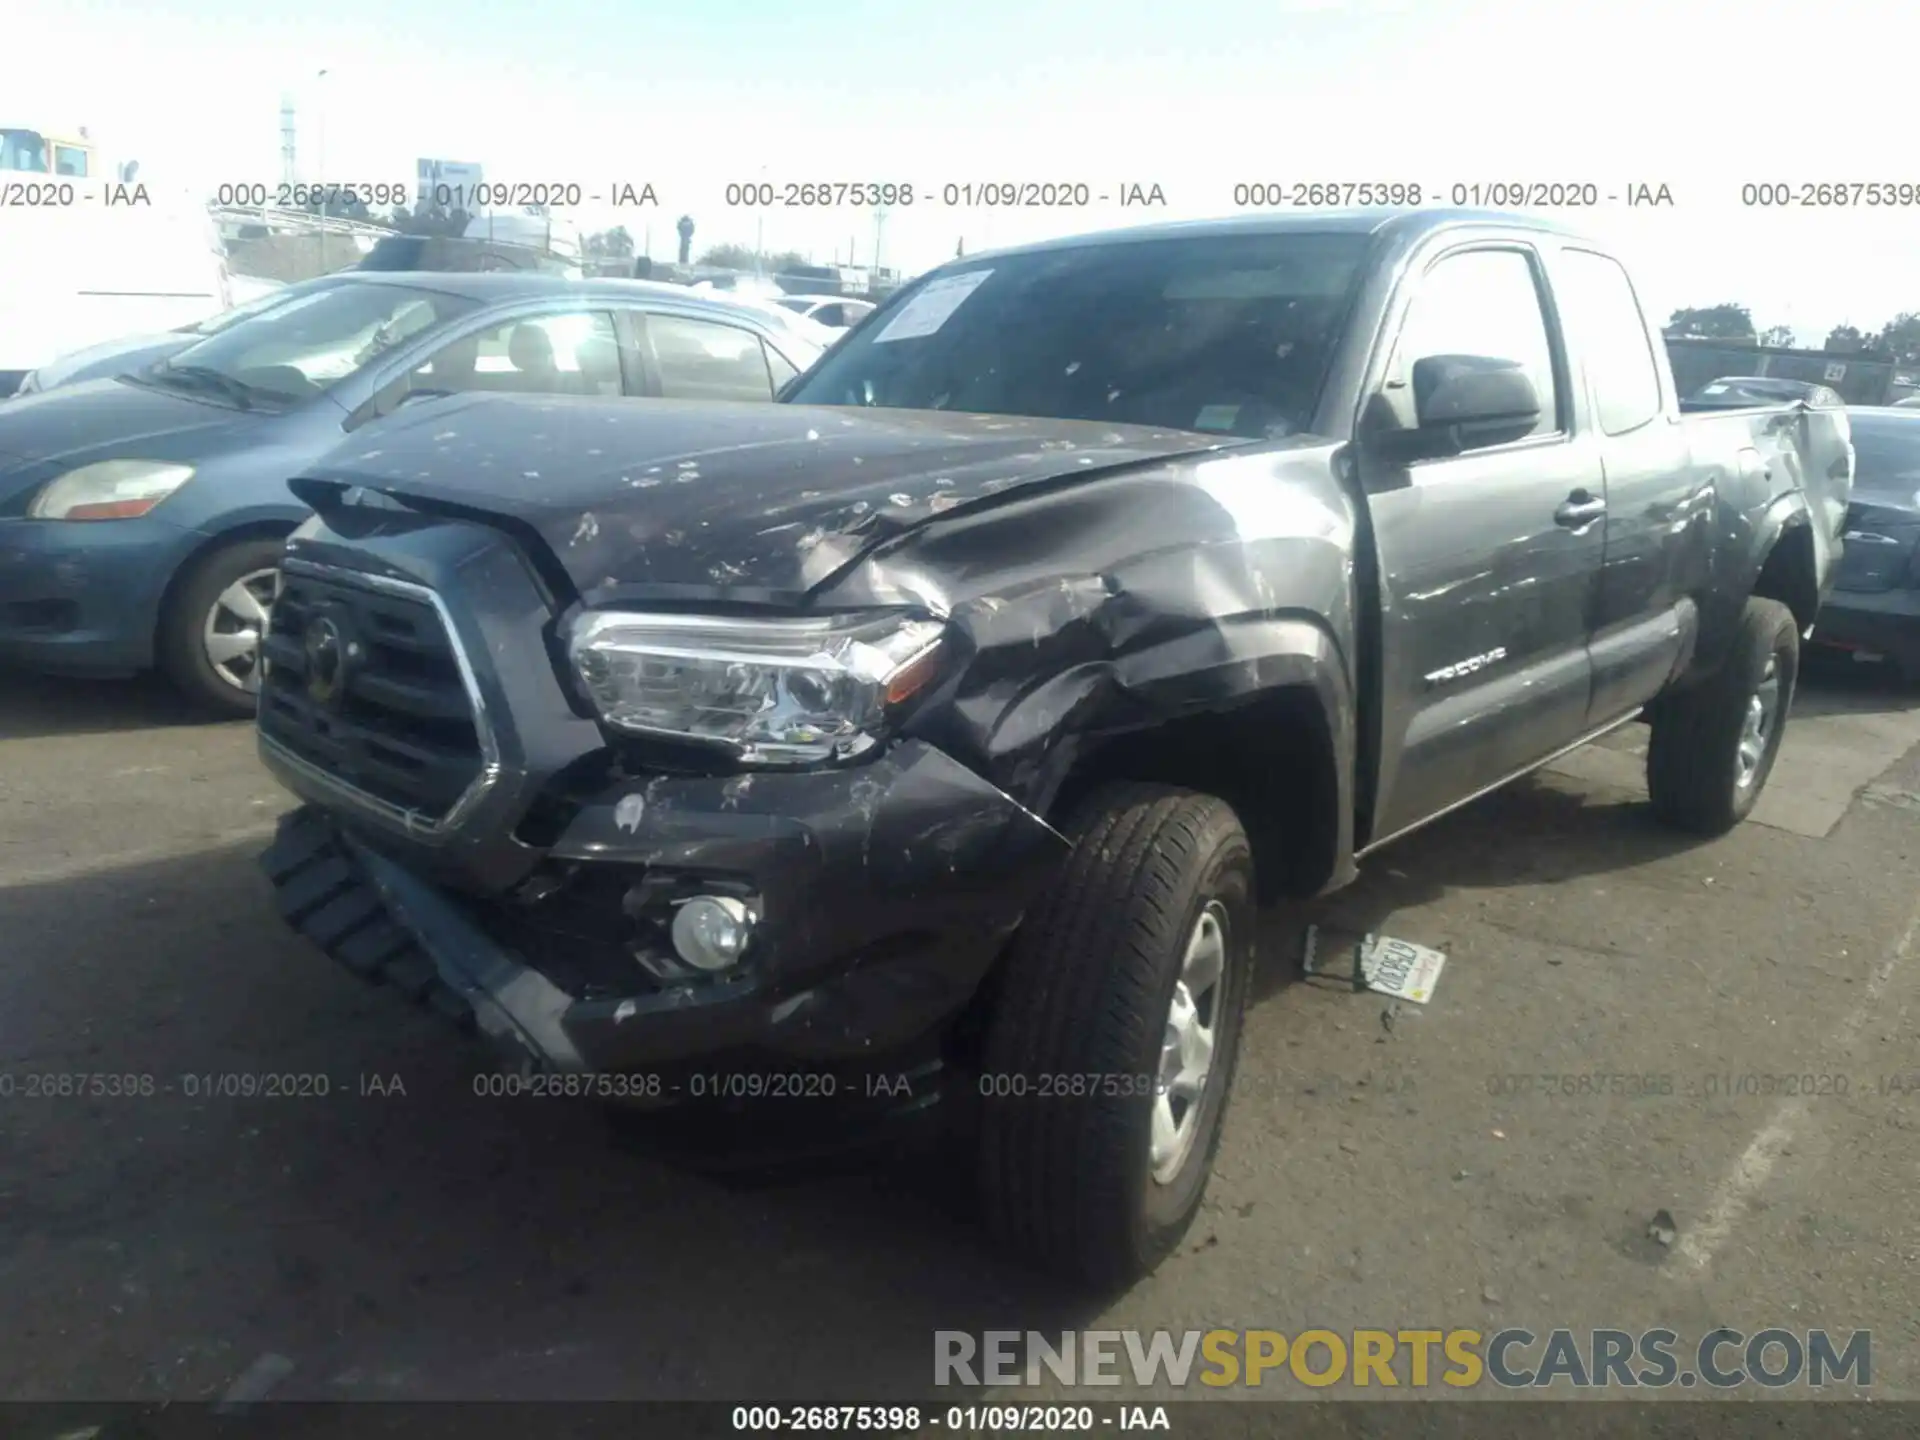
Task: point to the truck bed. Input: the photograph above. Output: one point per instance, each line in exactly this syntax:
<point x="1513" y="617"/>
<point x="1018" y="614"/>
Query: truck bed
<point x="1800" y="446"/>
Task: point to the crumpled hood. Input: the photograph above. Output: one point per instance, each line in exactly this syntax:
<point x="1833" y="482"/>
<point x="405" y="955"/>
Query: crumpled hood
<point x="91" y="420"/>
<point x="702" y="500"/>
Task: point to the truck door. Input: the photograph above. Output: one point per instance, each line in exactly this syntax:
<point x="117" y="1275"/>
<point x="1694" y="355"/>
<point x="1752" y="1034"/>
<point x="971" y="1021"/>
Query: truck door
<point x="1489" y="546"/>
<point x="1658" y="522"/>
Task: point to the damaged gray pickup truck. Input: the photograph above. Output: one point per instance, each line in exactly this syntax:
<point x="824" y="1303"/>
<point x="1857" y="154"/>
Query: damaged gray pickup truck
<point x="934" y="733"/>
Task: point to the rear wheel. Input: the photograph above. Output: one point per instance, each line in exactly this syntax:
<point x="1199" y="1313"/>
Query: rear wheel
<point x="1713" y="747"/>
<point x="1111" y="1049"/>
<point x="209" y="640"/>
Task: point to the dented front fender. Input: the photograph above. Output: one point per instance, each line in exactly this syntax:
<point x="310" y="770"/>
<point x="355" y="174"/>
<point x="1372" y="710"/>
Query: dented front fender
<point x="1137" y="601"/>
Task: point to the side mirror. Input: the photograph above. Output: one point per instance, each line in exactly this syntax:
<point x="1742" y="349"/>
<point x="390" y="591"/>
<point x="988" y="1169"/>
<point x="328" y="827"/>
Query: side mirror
<point x="1473" y="390"/>
<point x="1460" y="403"/>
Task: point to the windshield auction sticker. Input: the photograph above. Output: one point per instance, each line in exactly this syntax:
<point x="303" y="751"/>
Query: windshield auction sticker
<point x="932" y="307"/>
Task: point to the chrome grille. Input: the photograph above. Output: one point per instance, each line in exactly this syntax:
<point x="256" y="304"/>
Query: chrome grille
<point x="366" y="685"/>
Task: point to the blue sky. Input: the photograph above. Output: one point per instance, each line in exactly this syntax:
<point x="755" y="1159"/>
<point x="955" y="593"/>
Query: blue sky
<point x="1191" y="96"/>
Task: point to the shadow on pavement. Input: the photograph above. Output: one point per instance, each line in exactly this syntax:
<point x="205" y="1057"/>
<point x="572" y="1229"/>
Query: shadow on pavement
<point x="1530" y="833"/>
<point x="424" y="1241"/>
<point x="419" y="1241"/>
<point x="32" y="706"/>
<point x="1534" y="832"/>
<point x="1831" y="683"/>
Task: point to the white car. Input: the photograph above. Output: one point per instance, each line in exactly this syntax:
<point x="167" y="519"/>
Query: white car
<point x="131" y="352"/>
<point x="73" y="279"/>
<point x="811" y="331"/>
<point x="836" y="312"/>
<point x="740" y="287"/>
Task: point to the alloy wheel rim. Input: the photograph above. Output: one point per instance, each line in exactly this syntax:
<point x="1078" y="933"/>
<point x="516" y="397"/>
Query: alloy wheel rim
<point x="1757" y="730"/>
<point x="1187" y="1045"/>
<point x="230" y="633"/>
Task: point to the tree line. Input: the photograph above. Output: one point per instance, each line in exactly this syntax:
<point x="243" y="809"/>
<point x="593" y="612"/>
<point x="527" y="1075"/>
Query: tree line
<point x="1897" y="340"/>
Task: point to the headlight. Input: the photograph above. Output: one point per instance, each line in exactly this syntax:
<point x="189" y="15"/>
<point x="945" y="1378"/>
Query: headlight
<point x="109" y="490"/>
<point x="771" y="691"/>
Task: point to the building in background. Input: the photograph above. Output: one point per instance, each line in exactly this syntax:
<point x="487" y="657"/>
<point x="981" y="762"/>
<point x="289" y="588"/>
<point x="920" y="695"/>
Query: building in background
<point x="446" y="184"/>
<point x="1858" y="377"/>
<point x="37" y="152"/>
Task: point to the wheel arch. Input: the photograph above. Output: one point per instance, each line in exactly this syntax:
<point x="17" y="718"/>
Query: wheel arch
<point x="1789" y="569"/>
<point x="1274" y="737"/>
<point x="257" y="528"/>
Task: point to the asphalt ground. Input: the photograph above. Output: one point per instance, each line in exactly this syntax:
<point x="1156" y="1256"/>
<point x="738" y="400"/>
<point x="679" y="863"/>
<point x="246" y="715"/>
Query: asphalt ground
<point x="404" y="1237"/>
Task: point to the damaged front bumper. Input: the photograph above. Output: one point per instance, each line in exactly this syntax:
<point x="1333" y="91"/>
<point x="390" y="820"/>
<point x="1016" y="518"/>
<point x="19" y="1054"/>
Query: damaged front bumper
<point x="882" y="894"/>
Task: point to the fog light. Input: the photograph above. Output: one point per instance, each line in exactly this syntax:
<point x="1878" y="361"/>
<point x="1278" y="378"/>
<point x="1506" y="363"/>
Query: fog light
<point x="711" y="931"/>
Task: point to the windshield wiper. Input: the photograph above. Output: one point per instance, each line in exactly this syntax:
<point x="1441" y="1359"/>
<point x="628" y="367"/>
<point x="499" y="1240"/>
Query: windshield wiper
<point x="205" y="377"/>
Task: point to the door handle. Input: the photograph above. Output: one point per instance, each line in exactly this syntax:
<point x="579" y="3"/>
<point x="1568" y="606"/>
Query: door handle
<point x="1579" y="509"/>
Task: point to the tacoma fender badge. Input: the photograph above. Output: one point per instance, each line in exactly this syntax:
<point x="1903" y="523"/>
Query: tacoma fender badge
<point x="1460" y="669"/>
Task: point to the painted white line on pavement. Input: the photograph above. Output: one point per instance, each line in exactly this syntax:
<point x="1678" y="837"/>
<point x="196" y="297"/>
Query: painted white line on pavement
<point x="77" y="865"/>
<point x="1733" y="1196"/>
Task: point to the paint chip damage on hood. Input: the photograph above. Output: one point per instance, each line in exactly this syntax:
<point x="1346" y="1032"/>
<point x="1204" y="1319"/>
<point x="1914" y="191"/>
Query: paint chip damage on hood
<point x="646" y="503"/>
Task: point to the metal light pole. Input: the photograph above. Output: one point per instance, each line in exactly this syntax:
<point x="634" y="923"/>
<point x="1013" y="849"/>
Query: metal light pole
<point x="320" y="157"/>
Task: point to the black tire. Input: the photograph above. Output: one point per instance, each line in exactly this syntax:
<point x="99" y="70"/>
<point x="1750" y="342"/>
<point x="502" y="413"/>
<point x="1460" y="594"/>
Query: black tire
<point x="180" y="643"/>
<point x="1066" y="1180"/>
<point x="1693" y="756"/>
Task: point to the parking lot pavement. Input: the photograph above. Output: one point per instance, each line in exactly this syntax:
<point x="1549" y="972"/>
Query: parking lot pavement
<point x="426" y="1242"/>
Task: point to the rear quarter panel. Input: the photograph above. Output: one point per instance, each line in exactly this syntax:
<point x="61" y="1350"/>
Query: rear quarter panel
<point x="1773" y="472"/>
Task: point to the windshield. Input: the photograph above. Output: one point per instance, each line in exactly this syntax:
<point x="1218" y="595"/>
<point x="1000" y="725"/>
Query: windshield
<point x="259" y="305"/>
<point x="307" y="344"/>
<point x="1229" y="334"/>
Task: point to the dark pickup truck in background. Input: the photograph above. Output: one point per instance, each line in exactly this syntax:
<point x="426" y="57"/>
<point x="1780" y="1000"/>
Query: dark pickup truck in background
<point x="947" y="722"/>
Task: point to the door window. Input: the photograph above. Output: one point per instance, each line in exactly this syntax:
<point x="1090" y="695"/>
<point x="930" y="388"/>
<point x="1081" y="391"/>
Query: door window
<point x="1605" y="315"/>
<point x="1478" y="309"/>
<point x="705" y="360"/>
<point x="782" y="371"/>
<point x="570" y="353"/>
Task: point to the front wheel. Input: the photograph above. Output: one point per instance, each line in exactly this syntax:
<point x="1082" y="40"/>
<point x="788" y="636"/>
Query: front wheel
<point x="1111" y="1048"/>
<point x="1713" y="747"/>
<point x="209" y="639"/>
